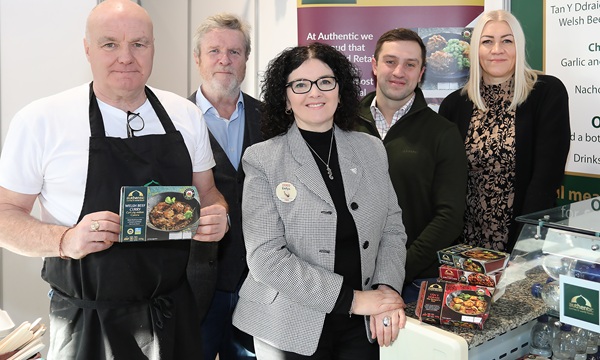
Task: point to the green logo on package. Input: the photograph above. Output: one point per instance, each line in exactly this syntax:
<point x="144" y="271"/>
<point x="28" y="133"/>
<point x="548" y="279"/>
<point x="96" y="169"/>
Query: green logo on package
<point x="581" y="303"/>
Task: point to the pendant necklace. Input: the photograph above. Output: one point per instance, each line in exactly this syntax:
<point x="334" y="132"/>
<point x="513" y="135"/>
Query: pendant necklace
<point x="329" y="172"/>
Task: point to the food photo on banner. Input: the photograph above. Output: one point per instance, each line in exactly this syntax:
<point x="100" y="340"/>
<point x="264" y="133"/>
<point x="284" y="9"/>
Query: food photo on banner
<point x="353" y="28"/>
<point x="447" y="57"/>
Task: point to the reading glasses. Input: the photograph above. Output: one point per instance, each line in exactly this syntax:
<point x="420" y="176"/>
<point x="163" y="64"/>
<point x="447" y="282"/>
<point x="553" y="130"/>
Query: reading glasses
<point x="302" y="86"/>
<point x="134" y="123"/>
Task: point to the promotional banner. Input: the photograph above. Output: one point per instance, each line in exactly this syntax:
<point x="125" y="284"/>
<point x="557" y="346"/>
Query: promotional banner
<point x="353" y="27"/>
<point x="572" y="53"/>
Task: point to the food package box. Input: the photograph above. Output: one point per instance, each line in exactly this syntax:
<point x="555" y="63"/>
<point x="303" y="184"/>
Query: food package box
<point x="587" y="270"/>
<point x="150" y="213"/>
<point x="490" y="280"/>
<point x="473" y="259"/>
<point x="453" y="304"/>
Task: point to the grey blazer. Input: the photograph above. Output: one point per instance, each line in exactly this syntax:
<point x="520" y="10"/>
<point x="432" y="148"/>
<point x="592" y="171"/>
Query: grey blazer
<point x="291" y="244"/>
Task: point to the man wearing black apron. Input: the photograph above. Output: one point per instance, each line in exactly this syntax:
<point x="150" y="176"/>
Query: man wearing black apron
<point x="112" y="300"/>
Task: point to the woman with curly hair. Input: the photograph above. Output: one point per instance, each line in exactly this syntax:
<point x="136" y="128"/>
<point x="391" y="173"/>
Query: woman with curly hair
<point x="322" y="225"/>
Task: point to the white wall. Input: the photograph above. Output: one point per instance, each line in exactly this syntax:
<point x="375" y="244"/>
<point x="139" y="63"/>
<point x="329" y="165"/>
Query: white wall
<point x="41" y="52"/>
<point x="274" y="28"/>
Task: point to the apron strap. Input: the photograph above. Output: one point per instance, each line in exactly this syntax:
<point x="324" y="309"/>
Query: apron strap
<point x="98" y="304"/>
<point x="161" y="306"/>
<point x="164" y="118"/>
<point x="96" y="123"/>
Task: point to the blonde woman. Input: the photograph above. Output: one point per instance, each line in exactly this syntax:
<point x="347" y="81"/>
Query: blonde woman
<point x="515" y="125"/>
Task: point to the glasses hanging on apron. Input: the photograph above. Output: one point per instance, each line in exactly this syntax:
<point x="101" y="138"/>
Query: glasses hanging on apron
<point x="134" y="123"/>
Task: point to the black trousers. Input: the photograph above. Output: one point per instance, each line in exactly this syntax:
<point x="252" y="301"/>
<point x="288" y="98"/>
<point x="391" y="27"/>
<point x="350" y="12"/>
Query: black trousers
<point x="343" y="338"/>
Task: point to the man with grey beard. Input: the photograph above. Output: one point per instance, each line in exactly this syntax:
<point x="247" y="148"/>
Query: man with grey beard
<point x="221" y="50"/>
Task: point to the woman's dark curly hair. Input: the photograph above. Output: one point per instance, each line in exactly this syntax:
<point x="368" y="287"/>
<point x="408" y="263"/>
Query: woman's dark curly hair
<point x="274" y="120"/>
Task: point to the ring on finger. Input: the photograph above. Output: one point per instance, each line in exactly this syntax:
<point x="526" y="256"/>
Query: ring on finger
<point x="95" y="225"/>
<point x="386" y="321"/>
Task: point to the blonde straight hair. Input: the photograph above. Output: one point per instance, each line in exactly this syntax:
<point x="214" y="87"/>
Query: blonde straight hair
<point x="525" y="76"/>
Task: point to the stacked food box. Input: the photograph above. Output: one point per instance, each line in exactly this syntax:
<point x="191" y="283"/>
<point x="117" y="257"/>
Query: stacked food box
<point x="472" y="265"/>
<point x="463" y="293"/>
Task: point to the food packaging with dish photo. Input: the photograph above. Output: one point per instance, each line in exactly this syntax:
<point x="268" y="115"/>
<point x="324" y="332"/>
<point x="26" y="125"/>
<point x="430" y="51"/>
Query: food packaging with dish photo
<point x="453" y="304"/>
<point x="154" y="213"/>
<point x="473" y="259"/>
<point x="489" y="280"/>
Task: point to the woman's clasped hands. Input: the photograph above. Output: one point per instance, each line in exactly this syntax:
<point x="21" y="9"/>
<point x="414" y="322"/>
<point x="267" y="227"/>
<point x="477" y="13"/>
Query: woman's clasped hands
<point x="386" y="309"/>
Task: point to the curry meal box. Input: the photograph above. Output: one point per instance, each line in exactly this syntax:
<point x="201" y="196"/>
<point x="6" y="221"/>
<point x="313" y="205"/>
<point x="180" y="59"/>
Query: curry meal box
<point x="153" y="213"/>
<point x="453" y="304"/>
<point x="473" y="259"/>
<point x="490" y="280"/>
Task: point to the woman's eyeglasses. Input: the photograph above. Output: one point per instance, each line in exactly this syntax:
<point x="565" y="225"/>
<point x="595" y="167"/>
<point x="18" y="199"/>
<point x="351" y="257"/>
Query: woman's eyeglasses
<point x="303" y="86"/>
<point x="134" y="123"/>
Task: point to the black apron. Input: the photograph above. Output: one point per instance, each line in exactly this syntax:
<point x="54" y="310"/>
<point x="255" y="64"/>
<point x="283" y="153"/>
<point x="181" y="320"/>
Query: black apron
<point x="131" y="301"/>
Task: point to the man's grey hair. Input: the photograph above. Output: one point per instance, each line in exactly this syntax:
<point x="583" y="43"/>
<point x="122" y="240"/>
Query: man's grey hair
<point x="222" y="21"/>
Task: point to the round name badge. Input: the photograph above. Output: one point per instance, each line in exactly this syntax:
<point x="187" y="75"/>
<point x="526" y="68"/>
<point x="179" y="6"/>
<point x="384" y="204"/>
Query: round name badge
<point x="286" y="192"/>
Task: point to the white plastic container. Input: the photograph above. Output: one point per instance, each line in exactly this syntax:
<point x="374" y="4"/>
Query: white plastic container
<point x="6" y="324"/>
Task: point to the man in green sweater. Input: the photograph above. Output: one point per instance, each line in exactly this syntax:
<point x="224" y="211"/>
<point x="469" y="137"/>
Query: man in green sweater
<point x="426" y="155"/>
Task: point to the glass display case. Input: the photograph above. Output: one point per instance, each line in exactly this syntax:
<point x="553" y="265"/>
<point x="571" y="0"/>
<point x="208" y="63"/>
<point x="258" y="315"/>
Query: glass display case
<point x="557" y="240"/>
<point x="554" y="242"/>
<point x="560" y="241"/>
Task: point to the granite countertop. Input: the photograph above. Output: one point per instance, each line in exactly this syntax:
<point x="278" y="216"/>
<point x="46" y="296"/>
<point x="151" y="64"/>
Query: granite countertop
<point x="516" y="307"/>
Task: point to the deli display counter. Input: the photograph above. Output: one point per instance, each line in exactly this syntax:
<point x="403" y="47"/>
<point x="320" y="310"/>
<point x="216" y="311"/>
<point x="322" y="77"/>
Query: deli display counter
<point x="558" y="243"/>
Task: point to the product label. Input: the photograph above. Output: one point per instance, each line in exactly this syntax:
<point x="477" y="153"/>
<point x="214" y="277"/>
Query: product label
<point x="150" y="213"/>
<point x="580" y="302"/>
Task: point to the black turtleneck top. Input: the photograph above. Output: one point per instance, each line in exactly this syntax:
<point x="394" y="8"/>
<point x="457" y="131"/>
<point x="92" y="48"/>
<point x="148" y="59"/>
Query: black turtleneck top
<point x="347" y="248"/>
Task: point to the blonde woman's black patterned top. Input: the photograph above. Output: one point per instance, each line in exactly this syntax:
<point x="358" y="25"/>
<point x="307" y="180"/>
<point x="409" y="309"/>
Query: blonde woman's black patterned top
<point x="490" y="147"/>
<point x="541" y="140"/>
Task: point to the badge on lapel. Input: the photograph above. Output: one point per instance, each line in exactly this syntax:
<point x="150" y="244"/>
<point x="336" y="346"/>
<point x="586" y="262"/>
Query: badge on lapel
<point x="286" y="192"/>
